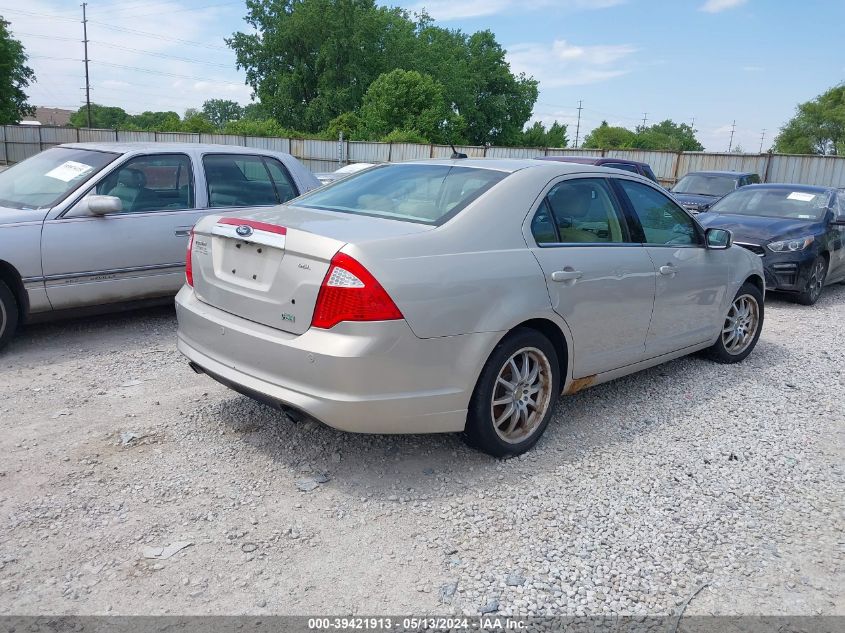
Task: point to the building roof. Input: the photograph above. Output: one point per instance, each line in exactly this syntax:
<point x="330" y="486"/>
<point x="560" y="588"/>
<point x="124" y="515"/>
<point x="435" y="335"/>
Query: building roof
<point x="51" y="116"/>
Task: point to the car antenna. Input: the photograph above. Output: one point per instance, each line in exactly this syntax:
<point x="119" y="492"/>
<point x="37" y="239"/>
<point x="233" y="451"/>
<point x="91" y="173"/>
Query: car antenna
<point x="456" y="154"/>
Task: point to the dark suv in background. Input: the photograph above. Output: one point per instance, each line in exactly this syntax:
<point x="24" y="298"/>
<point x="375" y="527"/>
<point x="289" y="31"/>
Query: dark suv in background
<point x="700" y="189"/>
<point x="643" y="169"/>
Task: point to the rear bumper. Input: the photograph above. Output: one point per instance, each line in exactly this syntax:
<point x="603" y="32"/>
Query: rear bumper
<point x="362" y="377"/>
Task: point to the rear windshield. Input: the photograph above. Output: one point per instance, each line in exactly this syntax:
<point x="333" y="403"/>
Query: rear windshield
<point x="428" y="194"/>
<point x="705" y="184"/>
<point x="775" y="203"/>
<point x="46" y="178"/>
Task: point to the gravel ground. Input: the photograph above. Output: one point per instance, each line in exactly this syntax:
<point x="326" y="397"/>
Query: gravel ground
<point x="641" y="492"/>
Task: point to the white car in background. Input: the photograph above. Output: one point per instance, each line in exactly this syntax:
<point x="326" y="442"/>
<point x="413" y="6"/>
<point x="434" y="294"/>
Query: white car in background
<point x="343" y="172"/>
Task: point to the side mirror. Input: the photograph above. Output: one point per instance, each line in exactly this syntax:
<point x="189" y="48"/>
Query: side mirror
<point x="718" y="239"/>
<point x="103" y="205"/>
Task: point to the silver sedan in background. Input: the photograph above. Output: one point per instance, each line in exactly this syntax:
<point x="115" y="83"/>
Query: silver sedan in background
<point x="461" y="295"/>
<point x="105" y="225"/>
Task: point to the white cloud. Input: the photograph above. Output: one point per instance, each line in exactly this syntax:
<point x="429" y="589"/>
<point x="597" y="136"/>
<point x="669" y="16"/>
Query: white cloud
<point x="51" y="30"/>
<point x="715" y="6"/>
<point x="564" y="64"/>
<point x="459" y="9"/>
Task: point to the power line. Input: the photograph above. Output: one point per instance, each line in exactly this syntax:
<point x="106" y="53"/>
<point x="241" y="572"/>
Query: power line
<point x="121" y="47"/>
<point x="34" y="14"/>
<point x="160" y="37"/>
<point x="120" y="28"/>
<point x="207" y="6"/>
<point x="166" y="74"/>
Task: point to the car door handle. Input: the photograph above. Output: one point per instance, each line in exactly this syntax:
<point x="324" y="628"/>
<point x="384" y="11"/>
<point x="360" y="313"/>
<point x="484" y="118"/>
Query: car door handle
<point x="668" y="270"/>
<point x="182" y="231"/>
<point x="567" y="274"/>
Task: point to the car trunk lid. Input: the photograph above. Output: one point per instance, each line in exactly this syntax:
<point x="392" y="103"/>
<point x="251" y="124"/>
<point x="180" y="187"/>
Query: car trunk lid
<point x="268" y="266"/>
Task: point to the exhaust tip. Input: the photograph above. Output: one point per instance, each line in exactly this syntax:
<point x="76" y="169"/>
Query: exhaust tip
<point x="197" y="369"/>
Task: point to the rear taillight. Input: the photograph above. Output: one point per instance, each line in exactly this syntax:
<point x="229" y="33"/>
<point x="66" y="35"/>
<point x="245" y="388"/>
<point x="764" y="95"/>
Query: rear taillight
<point x="350" y="293"/>
<point x="189" y="269"/>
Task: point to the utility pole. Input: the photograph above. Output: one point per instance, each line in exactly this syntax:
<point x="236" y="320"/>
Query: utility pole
<point x="762" y="136"/>
<point x="578" y="125"/>
<point x="731" y="142"/>
<point x="87" y="80"/>
<point x="645" y="118"/>
<point x="692" y="125"/>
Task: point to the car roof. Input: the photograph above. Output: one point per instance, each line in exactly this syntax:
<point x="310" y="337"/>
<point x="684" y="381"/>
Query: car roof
<point x="592" y="160"/>
<point x="722" y="173"/>
<point x="790" y="187"/>
<point x="124" y="148"/>
<point x="511" y="165"/>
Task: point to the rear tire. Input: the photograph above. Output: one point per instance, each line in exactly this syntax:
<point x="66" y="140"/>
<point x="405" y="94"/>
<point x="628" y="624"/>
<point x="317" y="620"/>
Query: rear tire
<point x="815" y="282"/>
<point x="515" y="395"/>
<point x="741" y="328"/>
<point x="8" y="314"/>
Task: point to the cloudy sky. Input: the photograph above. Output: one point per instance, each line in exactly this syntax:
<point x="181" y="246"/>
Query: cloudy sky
<point x="707" y="61"/>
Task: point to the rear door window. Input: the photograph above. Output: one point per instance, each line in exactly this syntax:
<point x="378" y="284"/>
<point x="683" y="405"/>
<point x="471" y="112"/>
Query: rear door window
<point x="285" y="188"/>
<point x="239" y="180"/>
<point x="582" y="210"/>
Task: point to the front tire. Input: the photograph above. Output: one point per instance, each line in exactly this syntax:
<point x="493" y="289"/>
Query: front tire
<point x="815" y="282"/>
<point x="515" y="395"/>
<point x="741" y="327"/>
<point x="8" y="314"/>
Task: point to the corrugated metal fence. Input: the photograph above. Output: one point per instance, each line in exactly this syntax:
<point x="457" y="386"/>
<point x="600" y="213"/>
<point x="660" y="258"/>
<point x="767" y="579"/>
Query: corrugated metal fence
<point x="18" y="142"/>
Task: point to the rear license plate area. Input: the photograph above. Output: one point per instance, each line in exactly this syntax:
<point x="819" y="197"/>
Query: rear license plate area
<point x="247" y="263"/>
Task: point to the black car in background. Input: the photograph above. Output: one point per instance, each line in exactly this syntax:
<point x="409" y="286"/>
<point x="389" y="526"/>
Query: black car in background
<point x="643" y="169"/>
<point x="699" y="189"/>
<point x="798" y="230"/>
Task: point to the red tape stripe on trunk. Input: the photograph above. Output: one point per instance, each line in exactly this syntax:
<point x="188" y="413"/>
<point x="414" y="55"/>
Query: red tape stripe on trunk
<point x="258" y="226"/>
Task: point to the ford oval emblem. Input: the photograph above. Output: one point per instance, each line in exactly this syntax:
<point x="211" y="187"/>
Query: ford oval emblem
<point x="244" y="230"/>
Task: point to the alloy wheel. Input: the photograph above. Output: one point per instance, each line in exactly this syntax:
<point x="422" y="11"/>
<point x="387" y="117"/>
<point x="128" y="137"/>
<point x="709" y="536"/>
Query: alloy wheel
<point x="741" y="324"/>
<point x="816" y="281"/>
<point x="521" y="395"/>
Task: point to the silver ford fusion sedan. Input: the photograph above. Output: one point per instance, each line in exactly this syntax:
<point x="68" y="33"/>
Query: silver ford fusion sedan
<point x="460" y="295"/>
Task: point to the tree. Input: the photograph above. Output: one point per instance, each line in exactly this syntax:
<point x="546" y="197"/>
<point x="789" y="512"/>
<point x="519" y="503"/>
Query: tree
<point x="312" y="60"/>
<point x="221" y="111"/>
<point x="556" y="136"/>
<point x="154" y="121"/>
<point x="410" y="101"/>
<point x="104" y="117"/>
<point x="255" y="111"/>
<point x="668" y="135"/>
<point x="818" y="126"/>
<point x="265" y="127"/>
<point x="197" y="123"/>
<point x="609" y="137"/>
<point x="15" y="76"/>
<point x="538" y="136"/>
<point x="350" y="124"/>
<point x="478" y="83"/>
